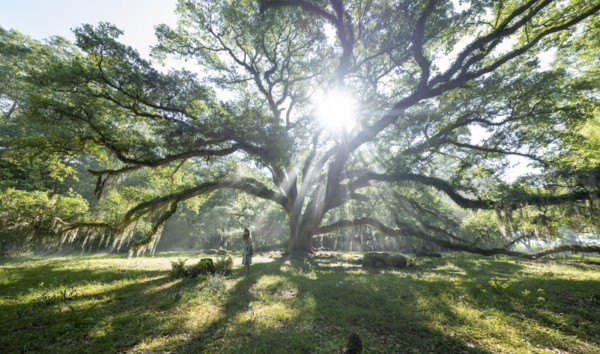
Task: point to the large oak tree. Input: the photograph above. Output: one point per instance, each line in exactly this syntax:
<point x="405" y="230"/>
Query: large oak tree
<point x="444" y="92"/>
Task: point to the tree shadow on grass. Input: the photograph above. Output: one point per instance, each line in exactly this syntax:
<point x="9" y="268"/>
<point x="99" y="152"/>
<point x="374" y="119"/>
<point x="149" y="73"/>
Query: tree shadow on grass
<point x="551" y="310"/>
<point x="544" y="311"/>
<point x="424" y="309"/>
<point x="86" y="310"/>
<point x="54" y="274"/>
<point x="301" y="307"/>
<point x="297" y="307"/>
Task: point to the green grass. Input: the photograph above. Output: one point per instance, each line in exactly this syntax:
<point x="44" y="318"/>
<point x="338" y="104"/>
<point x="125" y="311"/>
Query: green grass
<point x="457" y="304"/>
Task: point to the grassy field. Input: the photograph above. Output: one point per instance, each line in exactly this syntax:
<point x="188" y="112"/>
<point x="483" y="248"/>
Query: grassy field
<point x="457" y="304"/>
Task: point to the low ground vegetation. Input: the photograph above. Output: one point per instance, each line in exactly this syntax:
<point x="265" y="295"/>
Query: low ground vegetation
<point x="454" y="304"/>
<point x="205" y="267"/>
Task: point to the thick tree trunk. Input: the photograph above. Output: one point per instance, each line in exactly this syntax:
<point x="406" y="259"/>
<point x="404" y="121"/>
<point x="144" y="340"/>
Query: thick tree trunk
<point x="300" y="243"/>
<point x="299" y="246"/>
<point x="302" y="224"/>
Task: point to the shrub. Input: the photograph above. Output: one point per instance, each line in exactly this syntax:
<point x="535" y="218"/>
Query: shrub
<point x="384" y="260"/>
<point x="178" y="269"/>
<point x="205" y="266"/>
<point x="224" y="265"/>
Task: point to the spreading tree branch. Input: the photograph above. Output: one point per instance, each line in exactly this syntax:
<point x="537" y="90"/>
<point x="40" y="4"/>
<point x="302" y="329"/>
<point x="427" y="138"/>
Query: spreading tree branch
<point x="247" y="185"/>
<point x="452" y="192"/>
<point x="106" y="175"/>
<point x="341" y="20"/>
<point x="444" y="82"/>
<point x="405" y="230"/>
<point x="417" y="42"/>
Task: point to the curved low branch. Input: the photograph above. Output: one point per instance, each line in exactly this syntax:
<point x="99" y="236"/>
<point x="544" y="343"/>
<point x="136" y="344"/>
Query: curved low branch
<point x="85" y="225"/>
<point x="567" y="248"/>
<point x="184" y="155"/>
<point x="527" y="235"/>
<point x="247" y="185"/>
<point x="437" y="183"/>
<point x="154" y="234"/>
<point x="406" y="230"/>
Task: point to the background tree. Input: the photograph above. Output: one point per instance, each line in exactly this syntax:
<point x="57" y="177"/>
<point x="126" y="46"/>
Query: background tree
<point x="424" y="76"/>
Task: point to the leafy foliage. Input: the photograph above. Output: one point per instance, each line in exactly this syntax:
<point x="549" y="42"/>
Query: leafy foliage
<point x="178" y="269"/>
<point x="224" y="265"/>
<point x="447" y="97"/>
<point x="205" y="267"/>
<point x="34" y="218"/>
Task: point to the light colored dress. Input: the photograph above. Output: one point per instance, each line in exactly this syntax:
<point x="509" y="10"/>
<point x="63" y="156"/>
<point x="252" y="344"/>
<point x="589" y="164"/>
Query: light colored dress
<point x="247" y="258"/>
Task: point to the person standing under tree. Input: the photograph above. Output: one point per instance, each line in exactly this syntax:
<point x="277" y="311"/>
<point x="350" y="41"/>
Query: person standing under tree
<point x="247" y="252"/>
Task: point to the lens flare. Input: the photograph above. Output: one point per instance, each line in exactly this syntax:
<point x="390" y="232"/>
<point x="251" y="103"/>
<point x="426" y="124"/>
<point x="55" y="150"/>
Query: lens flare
<point x="336" y="111"/>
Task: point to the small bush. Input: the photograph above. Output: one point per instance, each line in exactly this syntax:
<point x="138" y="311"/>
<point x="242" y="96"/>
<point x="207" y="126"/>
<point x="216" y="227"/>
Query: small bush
<point x="178" y="268"/>
<point x="384" y="260"/>
<point x="205" y="266"/>
<point x="224" y="265"/>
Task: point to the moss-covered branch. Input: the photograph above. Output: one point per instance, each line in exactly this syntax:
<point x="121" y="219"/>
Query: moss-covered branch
<point x="404" y="230"/>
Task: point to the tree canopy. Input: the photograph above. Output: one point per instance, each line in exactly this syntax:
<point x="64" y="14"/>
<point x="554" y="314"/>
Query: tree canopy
<point x="443" y="96"/>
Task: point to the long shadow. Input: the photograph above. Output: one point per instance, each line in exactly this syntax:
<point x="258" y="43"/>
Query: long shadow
<point x="563" y="308"/>
<point x="400" y="310"/>
<point x="567" y="311"/>
<point x="54" y="274"/>
<point x="298" y="307"/>
<point x="238" y="302"/>
<point x="123" y="311"/>
<point x="328" y="307"/>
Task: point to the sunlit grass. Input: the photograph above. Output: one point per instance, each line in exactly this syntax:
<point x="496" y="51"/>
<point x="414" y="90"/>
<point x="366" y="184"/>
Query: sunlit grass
<point x="459" y="303"/>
